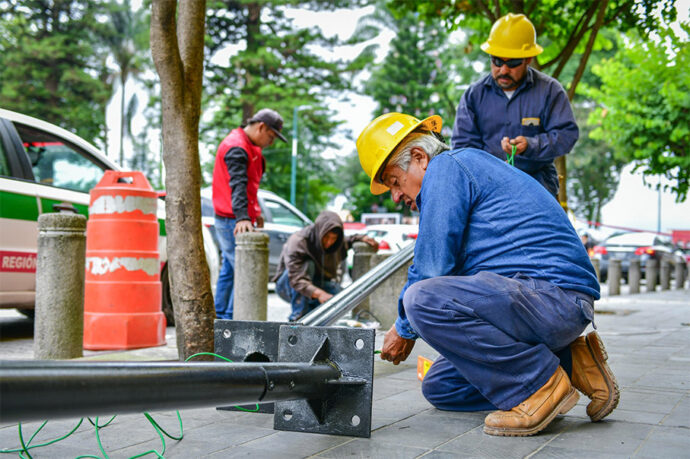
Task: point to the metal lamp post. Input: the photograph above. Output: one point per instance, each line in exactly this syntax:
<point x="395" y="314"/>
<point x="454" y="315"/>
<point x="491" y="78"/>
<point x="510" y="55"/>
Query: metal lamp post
<point x="293" y="170"/>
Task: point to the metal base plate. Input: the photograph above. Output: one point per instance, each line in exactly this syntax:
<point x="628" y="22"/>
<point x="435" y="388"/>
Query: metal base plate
<point x="348" y="410"/>
<point x="247" y="341"/>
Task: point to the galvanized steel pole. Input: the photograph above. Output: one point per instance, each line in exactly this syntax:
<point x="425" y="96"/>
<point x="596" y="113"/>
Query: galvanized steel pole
<point x="34" y="390"/>
<point x="329" y="312"/>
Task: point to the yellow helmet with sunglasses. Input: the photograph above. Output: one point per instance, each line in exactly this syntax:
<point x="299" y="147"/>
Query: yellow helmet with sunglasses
<point x="381" y="137"/>
<point x="512" y="36"/>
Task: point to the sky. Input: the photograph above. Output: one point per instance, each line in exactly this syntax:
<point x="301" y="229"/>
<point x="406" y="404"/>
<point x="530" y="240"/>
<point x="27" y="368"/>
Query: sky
<point x="634" y="205"/>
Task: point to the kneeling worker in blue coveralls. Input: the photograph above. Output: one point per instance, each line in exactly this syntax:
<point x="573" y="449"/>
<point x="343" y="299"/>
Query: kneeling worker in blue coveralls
<point x="500" y="286"/>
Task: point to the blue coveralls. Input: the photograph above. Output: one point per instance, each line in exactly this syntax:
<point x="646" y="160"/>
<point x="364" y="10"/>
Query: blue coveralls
<point x="539" y="110"/>
<point x="500" y="283"/>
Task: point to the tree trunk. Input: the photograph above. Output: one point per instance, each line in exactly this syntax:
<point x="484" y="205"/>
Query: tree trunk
<point x="560" y="161"/>
<point x="177" y="50"/>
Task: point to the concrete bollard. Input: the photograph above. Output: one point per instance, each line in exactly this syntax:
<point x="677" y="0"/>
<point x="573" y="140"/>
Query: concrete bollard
<point x="665" y="275"/>
<point x="361" y="263"/>
<point x="597" y="269"/>
<point x="59" y="314"/>
<point x="680" y="274"/>
<point x="650" y="274"/>
<point x="383" y="302"/>
<point x="634" y="276"/>
<point x="251" y="276"/>
<point x="614" y="277"/>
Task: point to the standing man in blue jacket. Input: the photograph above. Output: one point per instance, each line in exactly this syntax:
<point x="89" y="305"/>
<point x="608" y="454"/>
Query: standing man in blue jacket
<point x="517" y="106"/>
<point x="500" y="285"/>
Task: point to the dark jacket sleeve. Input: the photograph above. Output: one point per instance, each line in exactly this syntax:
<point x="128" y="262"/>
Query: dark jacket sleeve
<point x="466" y="132"/>
<point x="296" y="258"/>
<point x="350" y="240"/>
<point x="560" y="129"/>
<point x="236" y="161"/>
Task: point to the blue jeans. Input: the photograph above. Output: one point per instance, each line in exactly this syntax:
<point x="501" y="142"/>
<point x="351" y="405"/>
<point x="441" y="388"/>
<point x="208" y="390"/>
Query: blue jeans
<point x="498" y="337"/>
<point x="224" y="288"/>
<point x="301" y="305"/>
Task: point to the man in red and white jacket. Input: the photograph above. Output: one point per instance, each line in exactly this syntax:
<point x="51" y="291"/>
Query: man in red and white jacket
<point x="236" y="176"/>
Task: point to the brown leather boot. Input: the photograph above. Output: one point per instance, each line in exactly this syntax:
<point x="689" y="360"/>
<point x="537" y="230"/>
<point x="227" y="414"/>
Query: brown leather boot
<point x="555" y="397"/>
<point x="593" y="377"/>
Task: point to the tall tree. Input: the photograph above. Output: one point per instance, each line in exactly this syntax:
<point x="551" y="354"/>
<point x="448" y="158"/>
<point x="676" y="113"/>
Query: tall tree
<point x="276" y="66"/>
<point x="50" y="65"/>
<point x="421" y="75"/>
<point x="594" y="171"/>
<point x="568" y="30"/>
<point x="645" y="106"/>
<point x="177" y="47"/>
<point x="127" y="39"/>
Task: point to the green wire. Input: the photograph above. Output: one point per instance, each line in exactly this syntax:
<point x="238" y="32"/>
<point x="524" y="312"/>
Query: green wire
<point x="511" y="158"/>
<point x="28" y="445"/>
<point x="227" y="360"/>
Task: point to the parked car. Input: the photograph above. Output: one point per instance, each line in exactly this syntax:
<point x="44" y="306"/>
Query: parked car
<point x="42" y="165"/>
<point x="392" y="238"/>
<point x="281" y="219"/>
<point x="628" y="246"/>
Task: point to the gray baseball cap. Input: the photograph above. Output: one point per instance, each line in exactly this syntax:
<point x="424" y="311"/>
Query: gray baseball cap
<point x="272" y="119"/>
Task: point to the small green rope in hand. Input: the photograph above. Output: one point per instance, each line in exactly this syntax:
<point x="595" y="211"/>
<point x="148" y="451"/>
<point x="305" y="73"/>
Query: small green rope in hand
<point x="511" y="158"/>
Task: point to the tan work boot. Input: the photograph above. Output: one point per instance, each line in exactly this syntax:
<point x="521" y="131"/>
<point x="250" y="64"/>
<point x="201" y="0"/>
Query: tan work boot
<point x="593" y="377"/>
<point x="555" y="397"/>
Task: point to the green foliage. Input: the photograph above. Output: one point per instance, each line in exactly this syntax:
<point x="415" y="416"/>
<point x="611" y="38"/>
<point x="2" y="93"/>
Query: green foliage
<point x="593" y="169"/>
<point x="560" y="24"/>
<point x="50" y="66"/>
<point x="421" y="75"/>
<point x="645" y="113"/>
<point x="276" y="67"/>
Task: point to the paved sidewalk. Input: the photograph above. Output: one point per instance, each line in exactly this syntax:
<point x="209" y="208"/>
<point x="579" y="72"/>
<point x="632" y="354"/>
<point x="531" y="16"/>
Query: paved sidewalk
<point x="647" y="337"/>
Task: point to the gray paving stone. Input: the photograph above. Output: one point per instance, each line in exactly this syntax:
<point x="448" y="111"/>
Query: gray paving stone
<point x="614" y="437"/>
<point x="297" y="443"/>
<point x="425" y="431"/>
<point x="375" y="450"/>
<point x="476" y="444"/>
<point x="680" y="415"/>
<point x="665" y="442"/>
<point x="648" y="401"/>
<point x="243" y="451"/>
<point x="551" y="452"/>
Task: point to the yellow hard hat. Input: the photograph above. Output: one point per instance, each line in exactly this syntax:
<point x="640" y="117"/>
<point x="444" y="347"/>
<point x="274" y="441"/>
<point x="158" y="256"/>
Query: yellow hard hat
<point x="380" y="138"/>
<point x="512" y="36"/>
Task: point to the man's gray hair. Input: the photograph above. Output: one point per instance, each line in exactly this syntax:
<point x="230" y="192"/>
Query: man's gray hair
<point x="425" y="140"/>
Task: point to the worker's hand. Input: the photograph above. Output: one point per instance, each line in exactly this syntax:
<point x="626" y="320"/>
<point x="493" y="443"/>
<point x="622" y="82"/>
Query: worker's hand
<point x="259" y="221"/>
<point x="395" y="349"/>
<point x="371" y="241"/>
<point x="243" y="226"/>
<point x="323" y="296"/>
<point x="520" y="142"/>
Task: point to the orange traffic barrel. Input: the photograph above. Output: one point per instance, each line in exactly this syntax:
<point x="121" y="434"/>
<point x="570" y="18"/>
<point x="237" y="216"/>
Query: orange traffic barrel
<point x="122" y="296"/>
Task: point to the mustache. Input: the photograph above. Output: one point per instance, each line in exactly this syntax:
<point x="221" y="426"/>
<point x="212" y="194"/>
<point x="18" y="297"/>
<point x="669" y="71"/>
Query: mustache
<point x="506" y="76"/>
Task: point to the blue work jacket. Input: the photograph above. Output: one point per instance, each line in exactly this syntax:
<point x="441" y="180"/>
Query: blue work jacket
<point x="477" y="213"/>
<point x="539" y="110"/>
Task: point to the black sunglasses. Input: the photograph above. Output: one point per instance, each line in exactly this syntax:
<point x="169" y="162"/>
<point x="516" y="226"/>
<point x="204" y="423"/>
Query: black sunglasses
<point x="511" y="63"/>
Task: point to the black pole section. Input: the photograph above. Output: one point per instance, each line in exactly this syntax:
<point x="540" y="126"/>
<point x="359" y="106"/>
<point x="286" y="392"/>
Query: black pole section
<point x="32" y="390"/>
